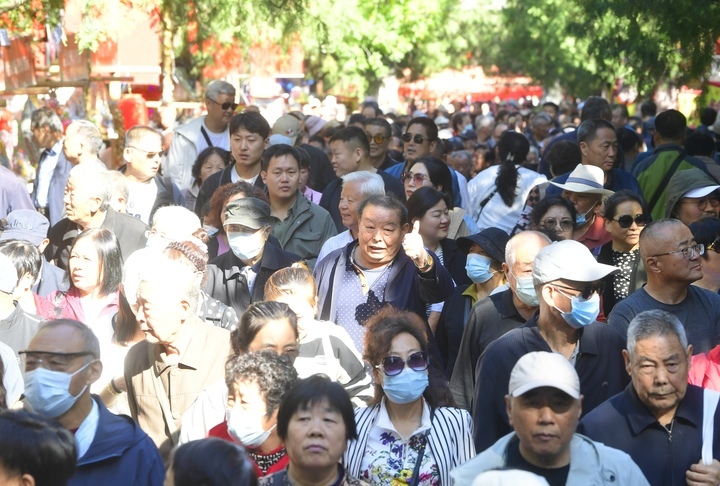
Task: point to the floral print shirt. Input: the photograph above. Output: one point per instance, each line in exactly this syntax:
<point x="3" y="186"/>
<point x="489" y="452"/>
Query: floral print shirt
<point x="390" y="459"/>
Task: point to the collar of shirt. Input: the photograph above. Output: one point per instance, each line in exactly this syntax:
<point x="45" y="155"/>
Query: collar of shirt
<point x="507" y="306"/>
<point x="689" y="410"/>
<point x="55" y="149"/>
<point x="383" y="420"/>
<point x="587" y="336"/>
<point x="471" y="292"/>
<point x="86" y="432"/>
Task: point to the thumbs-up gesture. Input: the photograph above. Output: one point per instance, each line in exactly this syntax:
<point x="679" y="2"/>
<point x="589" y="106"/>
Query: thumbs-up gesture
<point x="415" y="248"/>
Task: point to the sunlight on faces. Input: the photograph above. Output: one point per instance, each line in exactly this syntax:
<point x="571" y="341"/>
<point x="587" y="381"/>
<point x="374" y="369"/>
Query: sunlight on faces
<point x="84" y="265"/>
<point x="414" y="151"/>
<point x="402" y="346"/>
<point x="247" y="147"/>
<point x="602" y="150"/>
<point x="691" y="209"/>
<point x="380" y="235"/>
<point x="675" y="267"/>
<point x="137" y="156"/>
<point x="276" y="336"/>
<point x="215" y="111"/>
<point x="659" y="368"/>
<point x="282" y="177"/>
<point x="560" y="215"/>
<point x="350" y="198"/>
<point x="411" y="185"/>
<point x="344" y="158"/>
<point x="377" y="150"/>
<point x="626" y="237"/>
<point x="213" y="164"/>
<point x="435" y="223"/>
<point x="302" y="302"/>
<point x="80" y="202"/>
<point x="316" y="436"/>
<point x="72" y="145"/>
<point x="245" y="394"/>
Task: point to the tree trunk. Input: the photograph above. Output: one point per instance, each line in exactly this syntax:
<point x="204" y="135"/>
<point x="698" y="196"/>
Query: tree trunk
<point x="167" y="53"/>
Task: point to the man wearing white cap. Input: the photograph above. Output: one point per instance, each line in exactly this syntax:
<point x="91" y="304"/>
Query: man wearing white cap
<point x="544" y="404"/>
<point x="691" y="195"/>
<point x="568" y="285"/>
<point x="584" y="188"/>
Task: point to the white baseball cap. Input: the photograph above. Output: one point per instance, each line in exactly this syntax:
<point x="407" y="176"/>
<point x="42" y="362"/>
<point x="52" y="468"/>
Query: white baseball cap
<point x="509" y="477"/>
<point x="542" y="369"/>
<point x="569" y="260"/>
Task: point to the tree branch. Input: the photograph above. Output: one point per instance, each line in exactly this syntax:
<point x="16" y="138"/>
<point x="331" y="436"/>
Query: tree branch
<point x="12" y="6"/>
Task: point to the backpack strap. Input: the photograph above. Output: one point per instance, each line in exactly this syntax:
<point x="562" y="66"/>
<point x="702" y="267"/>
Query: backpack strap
<point x="664" y="182"/>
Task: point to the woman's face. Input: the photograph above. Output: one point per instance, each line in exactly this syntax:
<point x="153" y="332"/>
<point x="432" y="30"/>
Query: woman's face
<point x="84" y="265"/>
<point x="418" y="177"/>
<point x="214" y="163"/>
<point x="302" y="302"/>
<point x="276" y="336"/>
<point x="316" y="437"/>
<point x="245" y="394"/>
<point x="435" y="223"/>
<point x="559" y="220"/>
<point x="402" y="345"/>
<point x="627" y="238"/>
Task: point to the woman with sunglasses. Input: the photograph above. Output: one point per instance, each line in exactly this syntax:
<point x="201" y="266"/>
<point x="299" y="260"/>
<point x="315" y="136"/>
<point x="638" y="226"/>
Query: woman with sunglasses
<point x="554" y="216"/>
<point x="497" y="194"/>
<point x="707" y="232"/>
<point x="433" y="172"/>
<point x="625" y="217"/>
<point x="409" y="435"/>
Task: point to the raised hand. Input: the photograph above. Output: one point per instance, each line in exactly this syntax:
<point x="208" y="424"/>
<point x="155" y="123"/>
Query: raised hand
<point x="415" y="248"/>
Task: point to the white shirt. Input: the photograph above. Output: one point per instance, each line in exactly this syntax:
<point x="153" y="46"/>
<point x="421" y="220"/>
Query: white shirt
<point x="141" y="199"/>
<point x="220" y="140"/>
<point x="45" y="172"/>
<point x="235" y="177"/>
<point x="86" y="432"/>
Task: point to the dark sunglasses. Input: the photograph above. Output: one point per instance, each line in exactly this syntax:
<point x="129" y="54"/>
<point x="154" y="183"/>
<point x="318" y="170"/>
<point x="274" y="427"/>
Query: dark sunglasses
<point x="587" y="291"/>
<point x="150" y="155"/>
<point x="418" y="179"/>
<point x="393" y="365"/>
<point x="416" y="138"/>
<point x="626" y="221"/>
<point x="226" y="106"/>
<point x="378" y="139"/>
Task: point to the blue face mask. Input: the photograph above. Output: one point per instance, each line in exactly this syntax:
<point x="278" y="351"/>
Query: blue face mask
<point x="48" y="391"/>
<point x="478" y="268"/>
<point x="581" y="219"/>
<point x="406" y="387"/>
<point x="525" y="291"/>
<point x="583" y="312"/>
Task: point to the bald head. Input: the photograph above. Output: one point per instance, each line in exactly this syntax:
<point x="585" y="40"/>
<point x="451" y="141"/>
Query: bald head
<point x="524" y="247"/>
<point x="654" y="238"/>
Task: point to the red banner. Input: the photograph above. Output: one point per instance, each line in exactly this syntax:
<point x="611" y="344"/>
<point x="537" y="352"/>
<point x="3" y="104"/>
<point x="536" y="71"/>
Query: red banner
<point x="74" y="65"/>
<point x="18" y="63"/>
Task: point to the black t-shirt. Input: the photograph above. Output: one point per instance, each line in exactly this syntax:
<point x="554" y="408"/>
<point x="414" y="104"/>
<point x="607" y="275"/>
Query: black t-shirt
<point x="515" y="460"/>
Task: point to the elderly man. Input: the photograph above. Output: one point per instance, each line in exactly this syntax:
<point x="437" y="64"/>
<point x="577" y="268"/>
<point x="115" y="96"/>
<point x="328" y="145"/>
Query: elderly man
<point x="87" y="204"/>
<point x="567" y="282"/>
<point x="61" y="363"/>
<point x="147" y="190"/>
<point x="237" y="278"/>
<point x="356" y="186"/>
<point x="659" y="419"/>
<point x="379" y="133"/>
<point x="584" y="189"/>
<point x="179" y="357"/>
<point x="388" y="264"/>
<point x="544" y="405"/>
<point x="498" y="313"/>
<point x="47" y="133"/>
<point x="209" y="130"/>
<point x="461" y="162"/>
<point x="672" y="262"/>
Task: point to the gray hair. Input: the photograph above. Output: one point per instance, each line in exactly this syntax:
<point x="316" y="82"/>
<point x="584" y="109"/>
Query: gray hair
<point x="541" y="117"/>
<point x="177" y="278"/>
<point x="90" y="340"/>
<point x="177" y="223"/>
<point x="654" y="323"/>
<point x="90" y="135"/>
<point x="217" y="88"/>
<point x="95" y="179"/>
<point x="521" y="239"/>
<point x="46" y="117"/>
<point x="370" y="184"/>
<point x="463" y="153"/>
<point x="484" y="121"/>
<point x="138" y="133"/>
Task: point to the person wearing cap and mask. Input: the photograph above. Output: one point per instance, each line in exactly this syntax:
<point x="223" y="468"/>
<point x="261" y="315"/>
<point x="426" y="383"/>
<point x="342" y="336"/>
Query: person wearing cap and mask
<point x="670" y="428"/>
<point x="237" y="278"/>
<point x="673" y="261"/>
<point x="692" y="195"/>
<point x="584" y="188"/>
<point x="568" y="285"/>
<point x="543" y="405"/>
<point x="321" y="173"/>
<point x="61" y="363"/>
<point x="485" y="255"/>
<point x="501" y="311"/>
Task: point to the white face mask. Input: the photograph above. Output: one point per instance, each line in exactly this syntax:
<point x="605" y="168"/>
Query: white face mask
<point x="246" y="246"/>
<point x="246" y="427"/>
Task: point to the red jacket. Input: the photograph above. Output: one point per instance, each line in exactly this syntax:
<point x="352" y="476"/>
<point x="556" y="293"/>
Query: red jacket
<point x="221" y="431"/>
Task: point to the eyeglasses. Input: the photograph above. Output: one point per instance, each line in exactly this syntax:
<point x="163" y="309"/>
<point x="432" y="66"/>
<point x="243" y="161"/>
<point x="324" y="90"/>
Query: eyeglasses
<point x="688" y="253"/>
<point x="714" y="246"/>
<point x="378" y="139"/>
<point x="50" y="360"/>
<point x="225" y="106"/>
<point x="551" y="223"/>
<point x="702" y="202"/>
<point x="416" y="138"/>
<point x="393" y="365"/>
<point x="418" y="179"/>
<point x="150" y="155"/>
<point x="626" y="220"/>
<point x="587" y="291"/>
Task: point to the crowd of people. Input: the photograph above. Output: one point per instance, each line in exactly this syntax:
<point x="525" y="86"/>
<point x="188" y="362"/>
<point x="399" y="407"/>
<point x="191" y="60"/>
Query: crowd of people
<point x="508" y="298"/>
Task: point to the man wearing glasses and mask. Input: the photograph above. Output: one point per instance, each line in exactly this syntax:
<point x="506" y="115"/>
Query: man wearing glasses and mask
<point x="673" y="262"/>
<point x="61" y="363"/>
<point x="568" y="285"/>
<point x="205" y="131"/>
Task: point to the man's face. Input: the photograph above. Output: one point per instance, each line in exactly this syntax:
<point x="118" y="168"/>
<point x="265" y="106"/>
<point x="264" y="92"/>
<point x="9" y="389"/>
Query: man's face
<point x="380" y="234"/>
<point x="65" y="341"/>
<point x="544" y="420"/>
<point x="80" y="204"/>
<point x="600" y="151"/>
<point x="72" y="146"/>
<point x="350" y="198"/>
<point x="247" y="147"/>
<point x="143" y="156"/>
<point x="461" y="164"/>
<point x="550" y="111"/>
<point x="159" y="311"/>
<point x="540" y="129"/>
<point x="500" y="128"/>
<point x="673" y="267"/>
<point x="215" y="112"/>
<point x="525" y="254"/>
<point x="42" y="137"/>
<point x="344" y="160"/>
<point x="377" y="150"/>
<point x="282" y="177"/>
<point x="583" y="202"/>
<point x="413" y="149"/>
<point x="658" y="368"/>
<point x="618" y="120"/>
